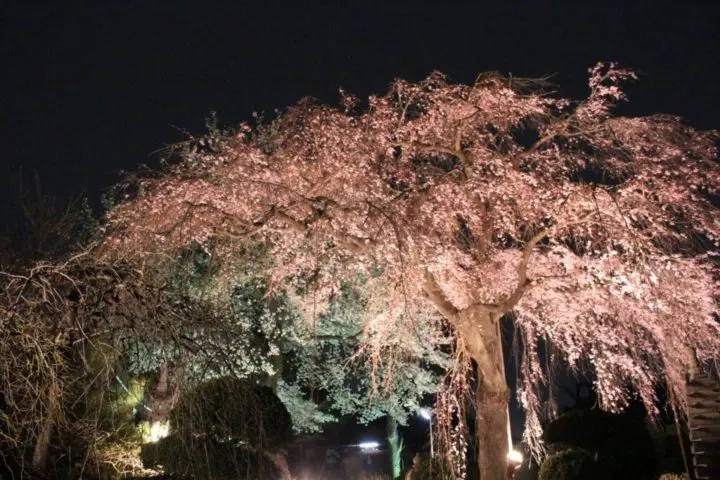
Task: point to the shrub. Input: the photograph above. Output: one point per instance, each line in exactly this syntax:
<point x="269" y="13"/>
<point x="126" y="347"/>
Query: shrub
<point x="622" y="443"/>
<point x="227" y="408"/>
<point x="222" y="429"/>
<point x="528" y="470"/>
<point x="569" y="464"/>
<point x="207" y="459"/>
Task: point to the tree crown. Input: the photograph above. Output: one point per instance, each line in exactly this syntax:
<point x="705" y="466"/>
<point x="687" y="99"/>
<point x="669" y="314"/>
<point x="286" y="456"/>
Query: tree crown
<point x="598" y="232"/>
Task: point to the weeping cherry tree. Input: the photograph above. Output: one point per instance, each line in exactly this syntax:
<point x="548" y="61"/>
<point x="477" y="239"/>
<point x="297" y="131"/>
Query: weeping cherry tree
<point x="469" y="202"/>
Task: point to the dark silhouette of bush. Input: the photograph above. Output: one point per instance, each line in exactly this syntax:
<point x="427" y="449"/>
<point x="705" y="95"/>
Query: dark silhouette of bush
<point x="227" y="408"/>
<point x="206" y="458"/>
<point x="528" y="470"/>
<point x="223" y="428"/>
<point x="622" y="443"/>
<point x="570" y="464"/>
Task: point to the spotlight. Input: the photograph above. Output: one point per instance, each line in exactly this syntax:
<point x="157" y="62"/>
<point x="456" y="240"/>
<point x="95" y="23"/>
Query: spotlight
<point x="158" y="431"/>
<point x="368" y="446"/>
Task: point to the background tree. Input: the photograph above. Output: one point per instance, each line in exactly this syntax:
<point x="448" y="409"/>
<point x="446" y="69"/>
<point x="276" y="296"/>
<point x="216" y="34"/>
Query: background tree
<point x="62" y="324"/>
<point x="38" y="227"/>
<point x="310" y="366"/>
<point x="469" y="202"/>
<point x="620" y="443"/>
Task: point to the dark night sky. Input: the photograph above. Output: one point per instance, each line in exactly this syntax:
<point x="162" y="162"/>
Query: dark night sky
<point x="89" y="90"/>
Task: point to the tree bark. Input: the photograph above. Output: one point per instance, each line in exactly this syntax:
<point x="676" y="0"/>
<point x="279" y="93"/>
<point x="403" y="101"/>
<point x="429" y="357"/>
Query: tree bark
<point x="478" y="328"/>
<point x="481" y="336"/>
<point x="162" y="399"/>
<point x="395" y="446"/>
<point x="42" y="445"/>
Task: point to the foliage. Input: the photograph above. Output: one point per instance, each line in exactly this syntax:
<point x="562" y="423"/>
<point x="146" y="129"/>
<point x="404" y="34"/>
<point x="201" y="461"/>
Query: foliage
<point x="209" y="459"/>
<point x="38" y="226"/>
<point x="307" y="415"/>
<point x="598" y="233"/>
<point x="528" y="470"/>
<point x="570" y="464"/>
<point x="674" y="476"/>
<point x="63" y="325"/>
<point x="326" y="361"/>
<point x="263" y="337"/>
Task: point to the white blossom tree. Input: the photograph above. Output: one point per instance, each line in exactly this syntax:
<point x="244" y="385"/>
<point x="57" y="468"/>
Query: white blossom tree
<point x="313" y="368"/>
<point x="469" y="202"/>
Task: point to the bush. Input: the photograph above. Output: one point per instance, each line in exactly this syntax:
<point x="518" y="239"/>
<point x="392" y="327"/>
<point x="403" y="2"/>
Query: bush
<point x="222" y="429"/>
<point x="207" y="459"/>
<point x="227" y="408"/>
<point x="569" y="464"/>
<point x="528" y="470"/>
<point x="622" y="443"/>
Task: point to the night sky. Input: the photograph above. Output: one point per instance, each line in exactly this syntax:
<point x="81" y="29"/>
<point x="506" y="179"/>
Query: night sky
<point x="88" y="90"/>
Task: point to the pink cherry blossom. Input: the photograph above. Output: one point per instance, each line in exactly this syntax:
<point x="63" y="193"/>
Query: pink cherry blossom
<point x="600" y="233"/>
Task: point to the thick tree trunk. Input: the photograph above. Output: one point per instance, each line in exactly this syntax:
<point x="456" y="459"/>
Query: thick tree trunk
<point x="482" y="340"/>
<point x="478" y="328"/>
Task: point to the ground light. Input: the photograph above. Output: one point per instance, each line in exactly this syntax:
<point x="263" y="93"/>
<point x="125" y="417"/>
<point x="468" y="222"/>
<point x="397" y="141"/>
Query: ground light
<point x="368" y="446"/>
<point x="515" y="456"/>
<point x="157" y="431"/>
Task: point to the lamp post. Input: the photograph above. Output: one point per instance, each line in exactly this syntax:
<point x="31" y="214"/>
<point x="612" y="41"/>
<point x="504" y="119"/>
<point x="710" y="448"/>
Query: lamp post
<point x="427" y="414"/>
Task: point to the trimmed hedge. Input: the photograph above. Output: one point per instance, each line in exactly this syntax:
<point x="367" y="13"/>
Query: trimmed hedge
<point x="570" y="464"/>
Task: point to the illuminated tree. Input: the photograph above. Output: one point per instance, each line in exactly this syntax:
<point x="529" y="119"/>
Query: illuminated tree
<point x="469" y="202"/>
<point x="263" y="338"/>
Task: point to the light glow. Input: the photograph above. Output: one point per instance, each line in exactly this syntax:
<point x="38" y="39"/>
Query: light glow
<point x="515" y="456"/>
<point x="426" y="413"/>
<point x="158" y="431"/>
<point x="367" y="446"/>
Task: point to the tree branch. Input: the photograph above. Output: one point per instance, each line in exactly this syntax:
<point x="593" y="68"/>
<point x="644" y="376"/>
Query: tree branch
<point x="455" y="152"/>
<point x="437" y="297"/>
<point x="523" y="281"/>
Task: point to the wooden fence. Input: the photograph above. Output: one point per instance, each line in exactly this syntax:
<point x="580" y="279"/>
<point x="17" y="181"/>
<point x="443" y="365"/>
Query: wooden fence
<point x="704" y="425"/>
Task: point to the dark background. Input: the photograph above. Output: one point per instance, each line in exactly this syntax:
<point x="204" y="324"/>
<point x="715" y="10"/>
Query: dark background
<point x="89" y="89"/>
